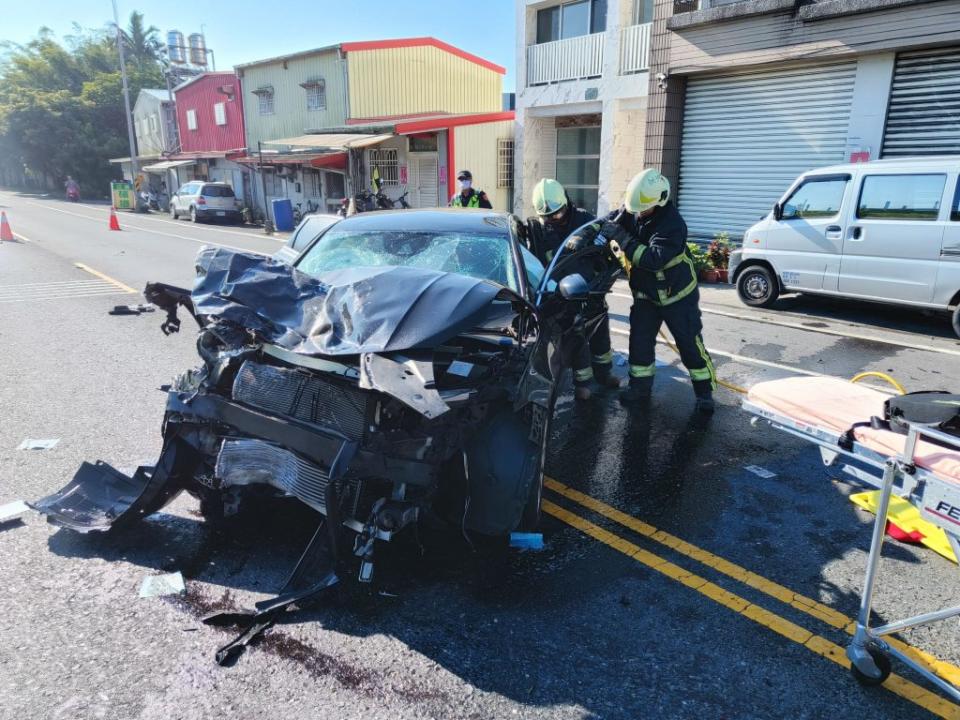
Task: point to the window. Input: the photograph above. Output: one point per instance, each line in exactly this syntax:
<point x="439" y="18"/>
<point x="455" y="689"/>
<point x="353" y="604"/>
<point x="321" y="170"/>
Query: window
<point x="221" y="191"/>
<point x="571" y="19"/>
<point x="643" y="12"/>
<point x="191" y="119"/>
<point x="316" y="94"/>
<point x="220" y="113"/>
<point x="384" y="160"/>
<point x="311" y="183"/>
<point x="486" y="256"/>
<point x="816" y="198"/>
<point x="901" y="197"/>
<point x="264" y="100"/>
<point x="578" y="164"/>
<point x="273" y="182"/>
<point x="335" y="185"/>
<point x="505" y="162"/>
<point x="423" y="143"/>
<point x="955" y="210"/>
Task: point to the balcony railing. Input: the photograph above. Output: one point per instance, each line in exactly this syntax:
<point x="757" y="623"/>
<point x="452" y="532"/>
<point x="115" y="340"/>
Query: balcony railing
<point x="571" y="59"/>
<point x="635" y="49"/>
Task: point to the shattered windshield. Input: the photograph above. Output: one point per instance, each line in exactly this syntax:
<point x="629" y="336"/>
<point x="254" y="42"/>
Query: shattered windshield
<point x="477" y="255"/>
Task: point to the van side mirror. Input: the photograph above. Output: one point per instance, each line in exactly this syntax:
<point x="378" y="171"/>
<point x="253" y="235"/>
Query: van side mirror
<point x="778" y="212"/>
<point x="574" y="287"/>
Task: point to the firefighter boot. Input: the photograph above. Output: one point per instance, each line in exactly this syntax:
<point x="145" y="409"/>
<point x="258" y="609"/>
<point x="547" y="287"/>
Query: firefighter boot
<point x="704" y="392"/>
<point x="603" y="376"/>
<point x="638" y="392"/>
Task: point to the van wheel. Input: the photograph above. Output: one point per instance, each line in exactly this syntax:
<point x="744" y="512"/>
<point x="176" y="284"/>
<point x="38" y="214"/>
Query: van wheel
<point x="956" y="320"/>
<point x="757" y="287"/>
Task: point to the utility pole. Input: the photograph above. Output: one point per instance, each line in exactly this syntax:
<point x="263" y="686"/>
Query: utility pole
<point x="134" y="165"/>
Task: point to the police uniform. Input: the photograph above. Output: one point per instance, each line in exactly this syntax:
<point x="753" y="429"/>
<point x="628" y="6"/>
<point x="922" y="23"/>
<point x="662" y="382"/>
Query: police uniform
<point x="473" y="199"/>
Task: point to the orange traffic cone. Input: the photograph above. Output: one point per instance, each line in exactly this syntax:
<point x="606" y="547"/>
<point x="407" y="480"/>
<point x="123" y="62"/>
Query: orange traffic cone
<point x="114" y="223"/>
<point x="6" y="234"/>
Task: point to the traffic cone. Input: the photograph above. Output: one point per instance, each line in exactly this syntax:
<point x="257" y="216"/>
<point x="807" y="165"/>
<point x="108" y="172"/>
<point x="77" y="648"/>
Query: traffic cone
<point x="114" y="223"/>
<point x="6" y="234"/>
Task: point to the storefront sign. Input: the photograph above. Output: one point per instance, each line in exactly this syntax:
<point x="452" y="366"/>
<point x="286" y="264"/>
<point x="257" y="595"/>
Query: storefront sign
<point x="122" y="195"/>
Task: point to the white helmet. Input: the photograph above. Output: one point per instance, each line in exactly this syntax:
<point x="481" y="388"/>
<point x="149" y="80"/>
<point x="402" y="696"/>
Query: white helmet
<point x="649" y="188"/>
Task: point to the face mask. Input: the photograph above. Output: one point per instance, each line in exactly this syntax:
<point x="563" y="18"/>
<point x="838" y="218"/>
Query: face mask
<point x="465" y="184"/>
<point x="557" y="217"/>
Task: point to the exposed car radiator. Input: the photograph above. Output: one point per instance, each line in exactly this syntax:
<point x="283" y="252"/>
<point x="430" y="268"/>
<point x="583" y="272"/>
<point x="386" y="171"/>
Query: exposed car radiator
<point x="251" y="462"/>
<point x="301" y="395"/>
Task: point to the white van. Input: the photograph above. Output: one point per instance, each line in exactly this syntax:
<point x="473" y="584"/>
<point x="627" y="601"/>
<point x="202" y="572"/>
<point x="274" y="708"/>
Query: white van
<point x="886" y="231"/>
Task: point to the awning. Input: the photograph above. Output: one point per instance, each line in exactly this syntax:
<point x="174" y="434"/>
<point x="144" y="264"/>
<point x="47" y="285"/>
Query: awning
<point x="332" y="141"/>
<point x="328" y="159"/>
<point x="166" y="165"/>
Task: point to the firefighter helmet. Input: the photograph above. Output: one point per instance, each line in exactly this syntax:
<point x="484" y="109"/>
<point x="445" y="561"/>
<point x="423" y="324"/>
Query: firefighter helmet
<point x="648" y="189"/>
<point x="549" y="197"/>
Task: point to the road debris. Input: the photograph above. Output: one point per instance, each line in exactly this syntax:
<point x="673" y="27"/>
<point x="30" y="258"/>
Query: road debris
<point x="760" y="471"/>
<point x="160" y="585"/>
<point x="132" y="309"/>
<point x="12" y="511"/>
<point x="38" y="444"/>
<point x="526" y="541"/>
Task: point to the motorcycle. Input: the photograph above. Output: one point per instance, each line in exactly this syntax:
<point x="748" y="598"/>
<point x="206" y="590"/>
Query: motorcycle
<point x="365" y="201"/>
<point x="73" y="194"/>
<point x="299" y="213"/>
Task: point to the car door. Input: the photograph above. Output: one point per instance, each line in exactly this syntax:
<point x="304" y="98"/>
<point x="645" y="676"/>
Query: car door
<point x="948" y="270"/>
<point x="891" y="247"/>
<point x="805" y="239"/>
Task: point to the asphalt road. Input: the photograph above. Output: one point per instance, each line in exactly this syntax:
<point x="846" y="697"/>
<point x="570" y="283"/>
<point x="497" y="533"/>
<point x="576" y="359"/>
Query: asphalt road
<point x="615" y="618"/>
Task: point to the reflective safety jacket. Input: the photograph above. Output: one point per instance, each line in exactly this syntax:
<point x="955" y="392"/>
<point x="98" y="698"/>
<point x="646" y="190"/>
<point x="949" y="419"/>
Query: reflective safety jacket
<point x="475" y="199"/>
<point x="663" y="270"/>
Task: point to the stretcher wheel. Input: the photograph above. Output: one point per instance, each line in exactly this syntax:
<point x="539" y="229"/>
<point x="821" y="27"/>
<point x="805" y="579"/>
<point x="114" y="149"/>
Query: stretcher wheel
<point x="881" y="660"/>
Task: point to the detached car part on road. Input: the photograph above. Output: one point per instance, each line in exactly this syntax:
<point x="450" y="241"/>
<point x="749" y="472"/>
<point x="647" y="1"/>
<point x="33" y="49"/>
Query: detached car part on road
<point x="403" y="366"/>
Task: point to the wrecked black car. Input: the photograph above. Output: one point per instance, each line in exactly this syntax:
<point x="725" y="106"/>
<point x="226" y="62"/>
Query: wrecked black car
<point x="406" y="363"/>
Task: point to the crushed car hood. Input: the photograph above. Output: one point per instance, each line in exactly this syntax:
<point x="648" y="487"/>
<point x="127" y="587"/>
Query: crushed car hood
<point x="345" y="312"/>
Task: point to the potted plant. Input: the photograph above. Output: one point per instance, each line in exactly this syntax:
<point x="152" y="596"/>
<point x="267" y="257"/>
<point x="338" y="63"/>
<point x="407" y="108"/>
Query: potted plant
<point x="718" y="254"/>
<point x="701" y="264"/>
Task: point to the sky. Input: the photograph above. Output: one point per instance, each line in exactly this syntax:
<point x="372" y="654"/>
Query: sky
<point x="247" y="30"/>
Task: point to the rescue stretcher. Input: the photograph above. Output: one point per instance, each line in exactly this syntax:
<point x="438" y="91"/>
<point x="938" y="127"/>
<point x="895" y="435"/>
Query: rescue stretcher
<point x="922" y="467"/>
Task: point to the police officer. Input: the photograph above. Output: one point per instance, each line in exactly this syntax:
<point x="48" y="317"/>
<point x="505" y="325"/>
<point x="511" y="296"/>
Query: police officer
<point x="558" y="217"/>
<point x="468" y="197"/>
<point x="663" y="282"/>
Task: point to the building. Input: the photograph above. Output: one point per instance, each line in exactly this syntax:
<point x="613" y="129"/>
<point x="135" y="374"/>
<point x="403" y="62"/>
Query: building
<point x="155" y="129"/>
<point x="209" y="110"/>
<point x="320" y="122"/>
<point x="752" y="93"/>
<point x="581" y="97"/>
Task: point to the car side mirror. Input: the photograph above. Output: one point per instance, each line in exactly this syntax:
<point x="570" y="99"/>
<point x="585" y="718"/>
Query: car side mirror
<point x="574" y="287"/>
<point x="778" y="212"/>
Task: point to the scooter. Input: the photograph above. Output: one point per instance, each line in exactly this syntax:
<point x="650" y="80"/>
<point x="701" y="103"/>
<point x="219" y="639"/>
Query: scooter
<point x="73" y="194"/>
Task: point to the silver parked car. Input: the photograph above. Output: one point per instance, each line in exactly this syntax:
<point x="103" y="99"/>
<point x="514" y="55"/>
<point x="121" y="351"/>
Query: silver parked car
<point x="886" y="231"/>
<point x="200" y="200"/>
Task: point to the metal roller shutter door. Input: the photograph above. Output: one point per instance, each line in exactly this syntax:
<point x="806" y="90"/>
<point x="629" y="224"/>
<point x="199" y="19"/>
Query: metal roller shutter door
<point x="747" y="136"/>
<point x="924" y="113"/>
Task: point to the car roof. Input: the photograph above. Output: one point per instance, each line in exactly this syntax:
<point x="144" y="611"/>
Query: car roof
<point x="904" y="163"/>
<point x="437" y="220"/>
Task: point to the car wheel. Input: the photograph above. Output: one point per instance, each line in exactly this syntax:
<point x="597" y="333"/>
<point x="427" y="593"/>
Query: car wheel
<point x="193" y="215"/>
<point x="757" y="286"/>
<point x="956" y="320"/>
<point x="173" y="212"/>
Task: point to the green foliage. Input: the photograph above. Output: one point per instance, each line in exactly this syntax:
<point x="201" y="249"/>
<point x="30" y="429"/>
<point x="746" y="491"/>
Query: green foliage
<point x="700" y="259"/>
<point x="718" y="252"/>
<point x="61" y="104"/>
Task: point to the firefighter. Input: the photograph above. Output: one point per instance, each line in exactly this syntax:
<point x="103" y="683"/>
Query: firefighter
<point x="468" y="197"/>
<point x="558" y="217"/>
<point x="653" y="238"/>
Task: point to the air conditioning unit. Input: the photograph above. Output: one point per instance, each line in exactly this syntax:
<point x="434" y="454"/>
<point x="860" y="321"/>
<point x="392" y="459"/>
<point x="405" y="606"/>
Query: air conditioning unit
<point x="286" y="171"/>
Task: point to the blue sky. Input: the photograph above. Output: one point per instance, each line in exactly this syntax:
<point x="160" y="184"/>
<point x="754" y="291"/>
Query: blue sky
<point x="246" y="30"/>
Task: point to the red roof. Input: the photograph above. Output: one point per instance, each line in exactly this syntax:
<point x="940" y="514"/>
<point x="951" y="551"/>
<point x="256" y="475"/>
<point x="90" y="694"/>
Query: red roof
<point x="421" y="42"/>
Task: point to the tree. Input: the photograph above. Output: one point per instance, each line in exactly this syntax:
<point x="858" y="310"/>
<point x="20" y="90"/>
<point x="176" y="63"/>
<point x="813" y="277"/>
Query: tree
<point x="140" y="41"/>
<point x="61" y="106"/>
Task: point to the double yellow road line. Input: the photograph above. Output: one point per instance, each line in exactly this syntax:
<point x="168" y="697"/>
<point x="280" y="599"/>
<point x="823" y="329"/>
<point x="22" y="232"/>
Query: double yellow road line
<point x="813" y="642"/>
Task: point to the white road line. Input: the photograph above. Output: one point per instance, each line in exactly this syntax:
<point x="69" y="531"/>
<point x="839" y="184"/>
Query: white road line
<point x="739" y="358"/>
<point x="27" y="286"/>
<point x="65" y="296"/>
<point x="155" y="232"/>
<point x="822" y="331"/>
